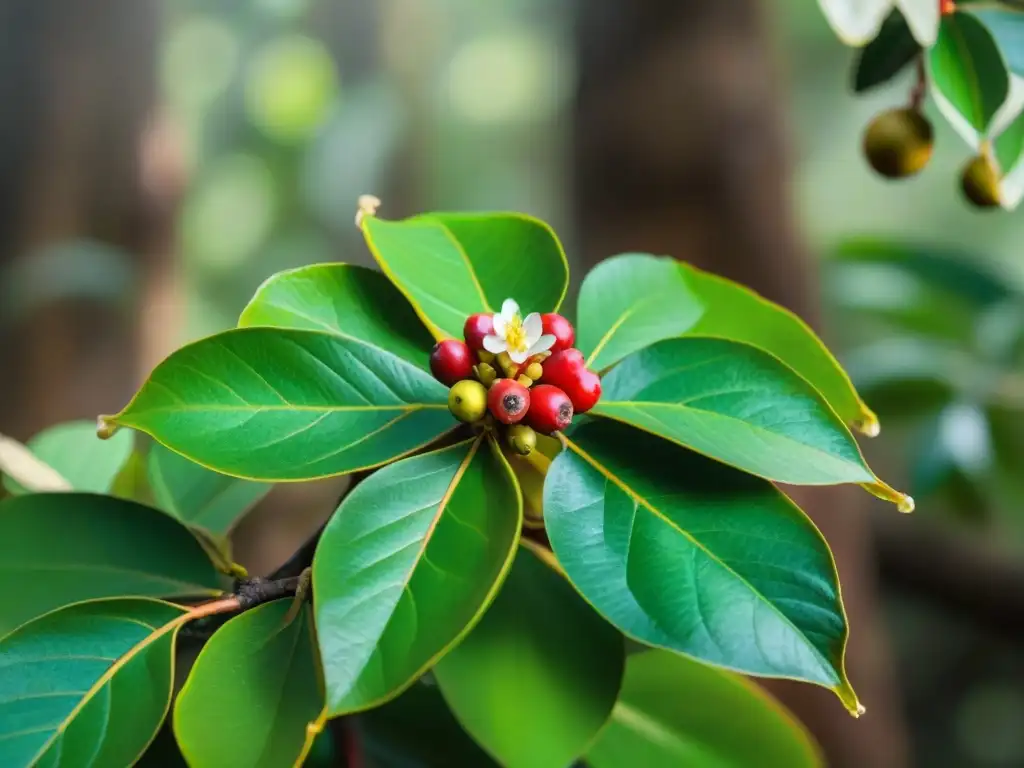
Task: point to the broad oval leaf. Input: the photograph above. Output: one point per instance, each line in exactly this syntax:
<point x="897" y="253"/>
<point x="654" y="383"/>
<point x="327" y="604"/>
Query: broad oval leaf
<point x="280" y="404"/>
<point x="734" y="312"/>
<point x="350" y="301"/>
<point x="855" y="22"/>
<point x="968" y="71"/>
<point x="91" y="681"/>
<point x="688" y="554"/>
<point x="407" y="564"/>
<point x="885" y="56"/>
<point x="254" y="696"/>
<point x="536" y="679"/>
<point x="630" y="301"/>
<point x="197" y="496"/>
<point x="73" y="450"/>
<point x="674" y="711"/>
<point x="737" y="404"/>
<point x="451" y="265"/>
<point x="1007" y="27"/>
<point x="64" y="547"/>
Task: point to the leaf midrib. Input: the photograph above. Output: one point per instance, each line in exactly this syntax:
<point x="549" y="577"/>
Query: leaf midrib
<point x="641" y="501"/>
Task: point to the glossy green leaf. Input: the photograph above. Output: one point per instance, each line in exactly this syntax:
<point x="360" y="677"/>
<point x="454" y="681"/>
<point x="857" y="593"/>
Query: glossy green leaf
<point x="737" y="404"/>
<point x="451" y="265"/>
<point x="885" y="56"/>
<point x="254" y="695"/>
<point x="738" y="313"/>
<point x="537" y="677"/>
<point x="1007" y="27"/>
<point x="855" y="22"/>
<point x="197" y="496"/>
<point x="81" y="458"/>
<point x="685" y="553"/>
<point x="674" y="711"/>
<point x="406" y="565"/>
<point x="350" y="301"/>
<point x="60" y="548"/>
<point x="417" y="730"/>
<point x="630" y="301"/>
<point x="88" y="684"/>
<point x="277" y="404"/>
<point x="968" y="71"/>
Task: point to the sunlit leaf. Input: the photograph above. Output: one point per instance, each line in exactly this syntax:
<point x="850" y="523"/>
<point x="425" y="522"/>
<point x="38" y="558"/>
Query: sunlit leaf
<point x="406" y="565"/>
<point x="686" y="553"/>
<point x="277" y="404"/>
<point x="630" y="301"/>
<point x="254" y="695"/>
<point x="354" y="302"/>
<point x="537" y="677"/>
<point x="64" y="547"/>
<point x="451" y="265"/>
<point x="674" y="711"/>
<point x="88" y="683"/>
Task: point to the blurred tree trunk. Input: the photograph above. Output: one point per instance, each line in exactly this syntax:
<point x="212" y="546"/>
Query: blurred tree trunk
<point x="680" y="150"/>
<point x="78" y="82"/>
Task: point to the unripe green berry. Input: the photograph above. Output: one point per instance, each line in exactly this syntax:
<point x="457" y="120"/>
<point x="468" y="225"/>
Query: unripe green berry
<point x="467" y="400"/>
<point x="521" y="439"/>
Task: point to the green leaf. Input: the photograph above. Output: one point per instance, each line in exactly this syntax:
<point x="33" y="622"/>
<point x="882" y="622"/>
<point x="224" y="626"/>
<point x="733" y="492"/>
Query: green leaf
<point x="60" y="548"/>
<point x="197" y="496"/>
<point x="630" y="301"/>
<point x="417" y="730"/>
<point x="537" y="678"/>
<point x="968" y="71"/>
<point x="451" y="265"/>
<point x="688" y="554"/>
<point x="354" y="302"/>
<point x="855" y="22"/>
<point x="739" y="405"/>
<point x="674" y="711"/>
<point x="254" y="696"/>
<point x="1007" y="27"/>
<point x="737" y="313"/>
<point x="407" y="564"/>
<point x="885" y="56"/>
<point x="89" y="683"/>
<point x="74" y="451"/>
<point x="277" y="404"/>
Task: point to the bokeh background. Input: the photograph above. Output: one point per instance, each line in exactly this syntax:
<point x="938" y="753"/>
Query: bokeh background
<point x="158" y="160"/>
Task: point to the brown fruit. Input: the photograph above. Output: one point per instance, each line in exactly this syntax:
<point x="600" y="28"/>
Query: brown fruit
<point x="979" y="181"/>
<point x="898" y="143"/>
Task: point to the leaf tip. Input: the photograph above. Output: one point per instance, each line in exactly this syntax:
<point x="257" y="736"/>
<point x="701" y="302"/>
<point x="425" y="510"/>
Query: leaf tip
<point x="849" y="698"/>
<point x="868" y="424"/>
<point x="367" y="205"/>
<point x="904" y="502"/>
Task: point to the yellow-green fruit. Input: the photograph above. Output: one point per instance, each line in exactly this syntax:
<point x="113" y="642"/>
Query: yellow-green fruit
<point x="521" y="439"/>
<point x="898" y="143"/>
<point x="485" y="356"/>
<point x="485" y="373"/>
<point x="979" y="181"/>
<point x="526" y="381"/>
<point x="534" y="371"/>
<point x="467" y="400"/>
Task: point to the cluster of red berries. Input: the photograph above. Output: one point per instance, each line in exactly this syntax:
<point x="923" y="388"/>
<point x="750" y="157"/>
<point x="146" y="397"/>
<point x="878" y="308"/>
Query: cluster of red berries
<point x="540" y="394"/>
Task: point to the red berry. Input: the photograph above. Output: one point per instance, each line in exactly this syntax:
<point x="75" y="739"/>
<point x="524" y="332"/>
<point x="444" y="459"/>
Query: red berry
<point x="476" y="327"/>
<point x="560" y="328"/>
<point x="508" y="400"/>
<point x="451" y="361"/>
<point x="567" y="371"/>
<point x="550" y="409"/>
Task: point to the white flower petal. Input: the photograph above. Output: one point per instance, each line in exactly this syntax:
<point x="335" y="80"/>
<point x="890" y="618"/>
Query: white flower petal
<point x="495" y="344"/>
<point x="519" y="357"/>
<point x="543" y="344"/>
<point x="500" y="325"/>
<point x="533" y="327"/>
<point x="509" y="309"/>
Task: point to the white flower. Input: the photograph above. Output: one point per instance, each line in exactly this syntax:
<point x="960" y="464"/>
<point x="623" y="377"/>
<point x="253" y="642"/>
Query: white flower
<point x="521" y="338"/>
